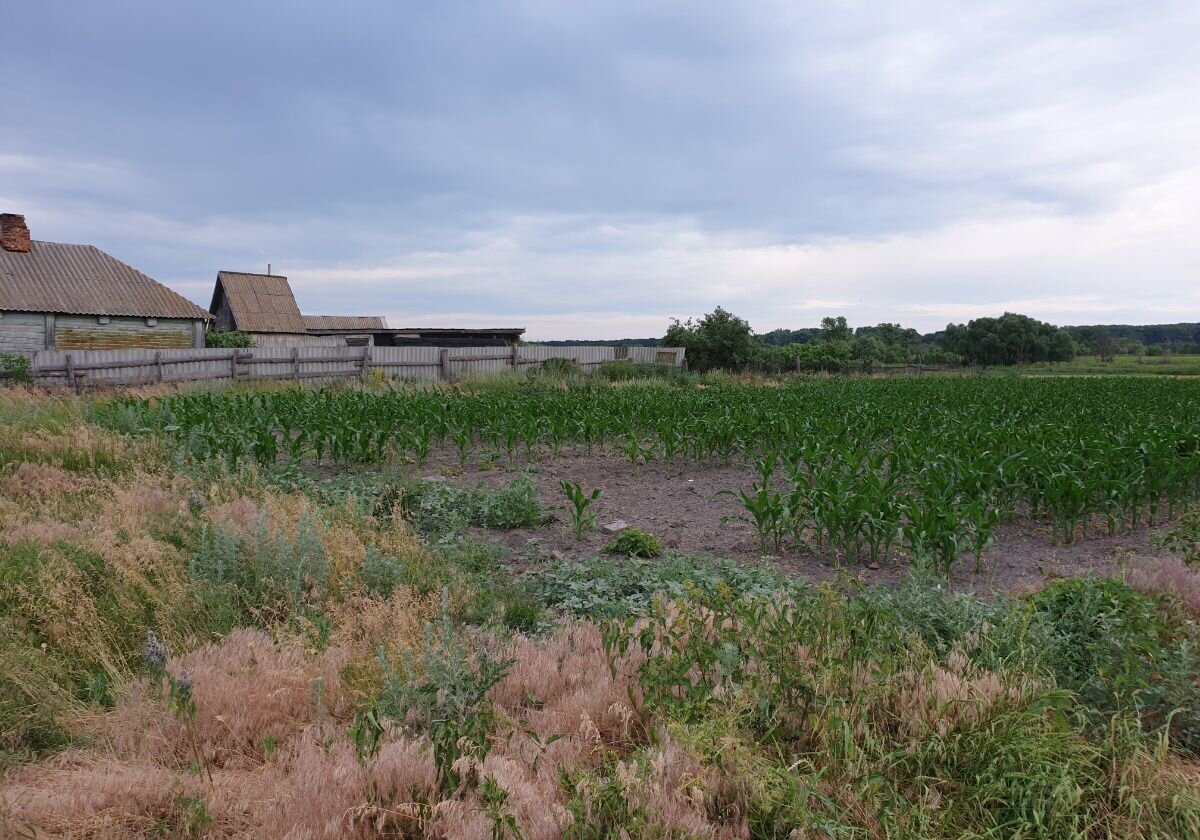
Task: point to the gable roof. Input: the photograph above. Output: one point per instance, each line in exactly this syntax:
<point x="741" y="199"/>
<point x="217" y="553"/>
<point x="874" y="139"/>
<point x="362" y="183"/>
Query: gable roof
<point x="83" y="280"/>
<point x="259" y="303"/>
<point x="344" y="322"/>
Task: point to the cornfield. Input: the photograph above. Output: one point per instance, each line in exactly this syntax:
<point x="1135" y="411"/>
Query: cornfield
<point x="857" y="467"/>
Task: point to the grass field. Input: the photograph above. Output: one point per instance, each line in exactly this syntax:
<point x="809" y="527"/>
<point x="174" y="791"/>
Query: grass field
<point x="1120" y="366"/>
<point x="275" y="613"/>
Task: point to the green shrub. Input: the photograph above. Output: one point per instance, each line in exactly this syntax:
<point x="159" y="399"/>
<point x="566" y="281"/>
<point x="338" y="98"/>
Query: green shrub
<point x="17" y="367"/>
<point x="623" y="370"/>
<point x="445" y="693"/>
<point x="228" y="338"/>
<point x="434" y="508"/>
<point x="264" y="575"/>
<point x="634" y="542"/>
<point x="1111" y="646"/>
<point x="600" y="589"/>
<point x="1184" y="538"/>
<point x="559" y="368"/>
<point x="381" y="573"/>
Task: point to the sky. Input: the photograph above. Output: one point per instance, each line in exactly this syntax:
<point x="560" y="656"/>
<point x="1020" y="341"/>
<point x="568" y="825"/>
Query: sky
<point x="592" y="169"/>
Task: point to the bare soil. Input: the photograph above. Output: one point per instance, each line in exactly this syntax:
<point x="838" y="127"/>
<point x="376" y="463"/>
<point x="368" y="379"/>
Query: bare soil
<point x="682" y="505"/>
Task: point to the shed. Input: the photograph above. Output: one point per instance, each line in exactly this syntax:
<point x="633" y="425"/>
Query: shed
<point x="263" y="306"/>
<point x="56" y="296"/>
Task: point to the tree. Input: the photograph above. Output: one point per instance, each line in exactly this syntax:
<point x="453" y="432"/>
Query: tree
<point x="1011" y="339"/>
<point x="718" y="340"/>
<point x="1102" y="344"/>
<point x="835" y="329"/>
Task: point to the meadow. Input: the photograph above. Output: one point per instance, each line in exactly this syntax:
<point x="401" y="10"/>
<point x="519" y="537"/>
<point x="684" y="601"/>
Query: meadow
<point x="1121" y="365"/>
<point x="284" y="612"/>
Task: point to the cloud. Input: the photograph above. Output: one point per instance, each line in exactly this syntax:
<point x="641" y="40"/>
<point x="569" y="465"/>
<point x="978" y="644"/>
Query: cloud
<point x="594" y="168"/>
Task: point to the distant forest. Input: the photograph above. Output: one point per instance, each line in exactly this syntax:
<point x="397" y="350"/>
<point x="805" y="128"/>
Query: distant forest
<point x="1184" y="338"/>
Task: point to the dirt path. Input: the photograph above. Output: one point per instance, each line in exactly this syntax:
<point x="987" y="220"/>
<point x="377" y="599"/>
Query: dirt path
<point x="679" y="504"/>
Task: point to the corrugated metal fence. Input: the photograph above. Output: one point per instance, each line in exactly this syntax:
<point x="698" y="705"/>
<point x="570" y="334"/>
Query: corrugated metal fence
<point x="142" y="367"/>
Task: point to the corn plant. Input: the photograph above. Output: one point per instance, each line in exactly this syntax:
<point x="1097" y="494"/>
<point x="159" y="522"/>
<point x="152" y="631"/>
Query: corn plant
<point x="581" y="519"/>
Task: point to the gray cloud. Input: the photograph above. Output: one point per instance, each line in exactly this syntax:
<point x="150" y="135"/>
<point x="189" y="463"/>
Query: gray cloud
<point x="592" y="168"/>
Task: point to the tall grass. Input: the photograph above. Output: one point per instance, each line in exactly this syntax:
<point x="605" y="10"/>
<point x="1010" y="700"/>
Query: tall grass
<point x="352" y="677"/>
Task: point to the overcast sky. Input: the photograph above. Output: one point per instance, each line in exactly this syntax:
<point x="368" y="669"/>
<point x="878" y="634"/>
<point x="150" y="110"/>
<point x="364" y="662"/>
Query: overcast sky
<point x="590" y="169"/>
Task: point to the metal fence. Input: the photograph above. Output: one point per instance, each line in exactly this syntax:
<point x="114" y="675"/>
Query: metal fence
<point x="80" y="368"/>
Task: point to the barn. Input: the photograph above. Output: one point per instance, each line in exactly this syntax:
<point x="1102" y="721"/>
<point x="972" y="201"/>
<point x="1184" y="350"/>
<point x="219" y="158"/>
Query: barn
<point x="263" y="306"/>
<point x="56" y="296"/>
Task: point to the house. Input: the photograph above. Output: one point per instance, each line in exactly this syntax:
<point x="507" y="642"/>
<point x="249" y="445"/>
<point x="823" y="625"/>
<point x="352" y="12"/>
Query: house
<point x="55" y="296"/>
<point x="263" y="306"/>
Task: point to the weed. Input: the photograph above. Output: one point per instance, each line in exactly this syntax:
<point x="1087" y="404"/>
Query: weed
<point x="634" y="542"/>
<point x="446" y="690"/>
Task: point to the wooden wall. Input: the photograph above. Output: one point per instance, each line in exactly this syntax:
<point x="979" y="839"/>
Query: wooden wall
<point x="22" y="332"/>
<point x="297" y="340"/>
<point x="86" y="332"/>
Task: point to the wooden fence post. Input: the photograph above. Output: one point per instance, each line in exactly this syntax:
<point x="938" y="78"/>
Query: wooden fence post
<point x="295" y="363"/>
<point x="366" y="362"/>
<point x="74" y="383"/>
<point x="516" y="356"/>
<point x="444" y="360"/>
<point x="158" y="371"/>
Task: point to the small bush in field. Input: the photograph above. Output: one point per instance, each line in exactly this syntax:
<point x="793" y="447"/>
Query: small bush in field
<point x="381" y="573"/>
<point x="264" y="573"/>
<point x="446" y="691"/>
<point x="443" y="508"/>
<point x="634" y="542"/>
<point x="601" y="588"/>
<point x="1184" y="538"/>
<point x="1113" y="647"/>
<point x="559" y="369"/>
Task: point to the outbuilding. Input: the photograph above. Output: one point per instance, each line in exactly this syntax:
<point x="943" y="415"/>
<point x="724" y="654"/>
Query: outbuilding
<point x="56" y="296"/>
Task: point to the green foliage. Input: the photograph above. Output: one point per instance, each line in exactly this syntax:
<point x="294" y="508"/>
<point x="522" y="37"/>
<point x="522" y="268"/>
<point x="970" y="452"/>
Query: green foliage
<point x="582" y="519"/>
<point x="437" y="508"/>
<point x="600" y="588"/>
<point x="624" y="370"/>
<point x="17" y="368"/>
<point x="1008" y="340"/>
<point x="228" y="338"/>
<point x="495" y="801"/>
<point x="794" y="692"/>
<point x="559" y="368"/>
<point x="634" y="542"/>
<point x="445" y="691"/>
<point x="1109" y="644"/>
<point x="1184" y="538"/>
<point x="718" y="340"/>
<point x="265" y="575"/>
<point x="381" y="573"/>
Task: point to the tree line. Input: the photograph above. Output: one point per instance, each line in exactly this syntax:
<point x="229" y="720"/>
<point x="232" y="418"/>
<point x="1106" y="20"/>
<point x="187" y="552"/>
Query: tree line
<point x="722" y="340"/>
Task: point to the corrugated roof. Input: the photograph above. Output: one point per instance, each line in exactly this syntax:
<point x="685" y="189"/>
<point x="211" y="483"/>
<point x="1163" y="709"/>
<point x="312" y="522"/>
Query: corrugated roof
<point x="260" y="303"/>
<point x="83" y="280"/>
<point x="344" y="322"/>
<point x="457" y="330"/>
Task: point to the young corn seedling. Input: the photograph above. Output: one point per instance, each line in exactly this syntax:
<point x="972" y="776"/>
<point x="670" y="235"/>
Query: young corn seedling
<point x="581" y="519"/>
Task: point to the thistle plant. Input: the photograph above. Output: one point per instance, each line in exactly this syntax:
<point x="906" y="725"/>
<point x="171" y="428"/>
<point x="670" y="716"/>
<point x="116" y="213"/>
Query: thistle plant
<point x="181" y="701"/>
<point x="581" y="519"/>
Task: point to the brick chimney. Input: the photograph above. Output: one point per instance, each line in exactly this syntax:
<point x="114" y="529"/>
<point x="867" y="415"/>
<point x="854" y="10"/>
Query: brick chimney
<point x="14" y="234"/>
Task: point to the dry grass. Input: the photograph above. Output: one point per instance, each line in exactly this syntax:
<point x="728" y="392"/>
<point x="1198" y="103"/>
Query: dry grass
<point x="1169" y="576"/>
